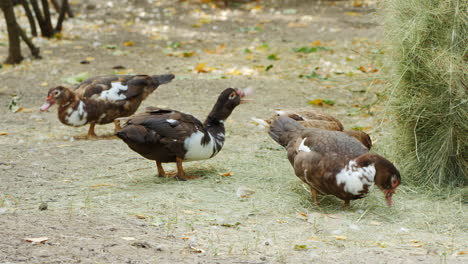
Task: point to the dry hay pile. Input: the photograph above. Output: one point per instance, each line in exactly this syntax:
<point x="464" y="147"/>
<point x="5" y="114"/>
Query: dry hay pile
<point x="429" y="93"/>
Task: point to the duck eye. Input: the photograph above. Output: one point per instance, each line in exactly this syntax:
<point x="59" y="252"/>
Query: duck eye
<point x="232" y="95"/>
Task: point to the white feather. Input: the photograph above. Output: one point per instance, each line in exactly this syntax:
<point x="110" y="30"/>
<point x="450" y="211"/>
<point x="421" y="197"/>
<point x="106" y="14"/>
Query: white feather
<point x="303" y="147"/>
<point x="354" y="177"/>
<point x="77" y="117"/>
<point x="113" y="94"/>
<point x="171" y="121"/>
<point x="196" y="150"/>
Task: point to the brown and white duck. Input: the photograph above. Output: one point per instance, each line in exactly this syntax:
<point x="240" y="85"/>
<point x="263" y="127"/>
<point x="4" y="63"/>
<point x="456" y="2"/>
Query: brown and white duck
<point x="166" y="135"/>
<point x="333" y="162"/>
<point x="100" y="100"/>
<point x="317" y="119"/>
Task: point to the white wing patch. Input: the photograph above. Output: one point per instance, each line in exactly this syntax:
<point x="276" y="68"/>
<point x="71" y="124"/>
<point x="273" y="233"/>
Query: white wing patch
<point x="77" y="117"/>
<point x="197" y="151"/>
<point x="171" y="121"/>
<point x="114" y="93"/>
<point x="303" y="147"/>
<point x="354" y="177"/>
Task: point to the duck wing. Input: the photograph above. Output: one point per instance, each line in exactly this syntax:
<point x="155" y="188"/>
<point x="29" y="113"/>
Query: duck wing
<point x="119" y="88"/>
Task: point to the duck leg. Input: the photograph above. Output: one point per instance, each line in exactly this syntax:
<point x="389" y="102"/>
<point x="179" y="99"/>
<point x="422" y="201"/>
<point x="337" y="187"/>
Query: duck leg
<point x="314" y="195"/>
<point x="180" y="170"/>
<point x="161" y="172"/>
<point x="91" y="133"/>
<point x="346" y="204"/>
<point x="117" y="128"/>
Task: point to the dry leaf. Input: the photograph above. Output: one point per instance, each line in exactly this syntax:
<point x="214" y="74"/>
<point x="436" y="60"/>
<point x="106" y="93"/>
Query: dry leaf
<point x="353" y="14"/>
<point x="140" y="216"/>
<point x="244" y="192"/>
<point x="101" y="185"/>
<point x="341" y="237"/>
<point x="316" y="43"/>
<point x="197" y="250"/>
<point x="314" y="238"/>
<point x="219" y="49"/>
<point x="226" y="174"/>
<point x="185" y="238"/>
<point x="44" y="84"/>
<point x="129" y="43"/>
<point x="201" y="68"/>
<point x="64" y="145"/>
<point x="26" y="110"/>
<point x="316" y="102"/>
<point x="375" y="223"/>
<point x="36" y="240"/>
<point x="462" y="252"/>
<point x="3" y="133"/>
<point x="361" y="68"/>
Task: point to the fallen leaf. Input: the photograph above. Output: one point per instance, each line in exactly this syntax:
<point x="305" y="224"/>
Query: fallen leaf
<point x="226" y="174"/>
<point x="43" y="84"/>
<point x="26" y="110"/>
<point x="375" y="223"/>
<point x="64" y="145"/>
<point x="269" y="67"/>
<point x="14" y="104"/>
<point x="197" y="250"/>
<point x="314" y="238"/>
<point x="273" y="57"/>
<point x="36" y="240"/>
<point x="244" y="192"/>
<point x="90" y="58"/>
<point x="201" y="68"/>
<point x="361" y="68"/>
<point x="316" y="43"/>
<point x="300" y="247"/>
<point x="3" y="133"/>
<point x="321" y="102"/>
<point x="382" y="245"/>
<point x="341" y="237"/>
<point x="462" y="252"/>
<point x="353" y="14"/>
<point x="295" y="25"/>
<point x="188" y="54"/>
<point x="308" y="50"/>
<point x="129" y="43"/>
<point x="218" y="49"/>
<point x="140" y="216"/>
<point x="78" y="78"/>
<point x="101" y="185"/>
<point x="185" y="238"/>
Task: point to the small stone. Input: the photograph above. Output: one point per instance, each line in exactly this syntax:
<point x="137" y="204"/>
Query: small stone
<point x="139" y="244"/>
<point x="159" y="248"/>
<point x="43" y="206"/>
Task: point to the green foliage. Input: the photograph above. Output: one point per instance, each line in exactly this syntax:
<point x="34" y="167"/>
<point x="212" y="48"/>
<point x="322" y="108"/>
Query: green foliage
<point x="429" y="97"/>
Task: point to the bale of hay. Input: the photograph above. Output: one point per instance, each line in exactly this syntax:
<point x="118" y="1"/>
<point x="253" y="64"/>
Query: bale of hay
<point x="429" y="94"/>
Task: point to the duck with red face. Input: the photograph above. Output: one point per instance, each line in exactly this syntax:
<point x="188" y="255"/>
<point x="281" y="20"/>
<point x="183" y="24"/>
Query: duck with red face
<point x="166" y="135"/>
<point x="100" y="100"/>
<point x="333" y="162"/>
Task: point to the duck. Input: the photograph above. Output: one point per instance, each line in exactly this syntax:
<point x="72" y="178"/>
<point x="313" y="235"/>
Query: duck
<point x="168" y="136"/>
<point x="333" y="162"/>
<point x="102" y="99"/>
<point x="318" y="119"/>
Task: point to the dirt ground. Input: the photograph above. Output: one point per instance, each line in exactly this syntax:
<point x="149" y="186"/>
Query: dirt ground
<point x="105" y="203"/>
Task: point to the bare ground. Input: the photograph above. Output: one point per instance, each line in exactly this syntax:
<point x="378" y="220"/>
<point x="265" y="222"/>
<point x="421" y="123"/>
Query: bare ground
<point x="105" y="204"/>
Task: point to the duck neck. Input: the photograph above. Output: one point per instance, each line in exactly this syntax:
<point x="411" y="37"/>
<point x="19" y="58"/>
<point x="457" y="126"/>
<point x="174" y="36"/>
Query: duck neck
<point x="214" y="125"/>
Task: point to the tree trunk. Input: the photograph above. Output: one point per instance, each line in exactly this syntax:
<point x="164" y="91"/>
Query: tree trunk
<point x="47" y="19"/>
<point x="63" y="11"/>
<point x="14" y="44"/>
<point x="46" y="26"/>
<point x="30" y="16"/>
<point x="34" y="50"/>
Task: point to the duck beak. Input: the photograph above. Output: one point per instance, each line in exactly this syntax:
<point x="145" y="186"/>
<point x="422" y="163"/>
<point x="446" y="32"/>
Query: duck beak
<point x="49" y="102"/>
<point x="243" y="93"/>
<point x="388" y="196"/>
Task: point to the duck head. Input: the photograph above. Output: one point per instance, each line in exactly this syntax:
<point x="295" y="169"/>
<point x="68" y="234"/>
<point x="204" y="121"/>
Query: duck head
<point x="387" y="176"/>
<point x="227" y="101"/>
<point x="58" y="95"/>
